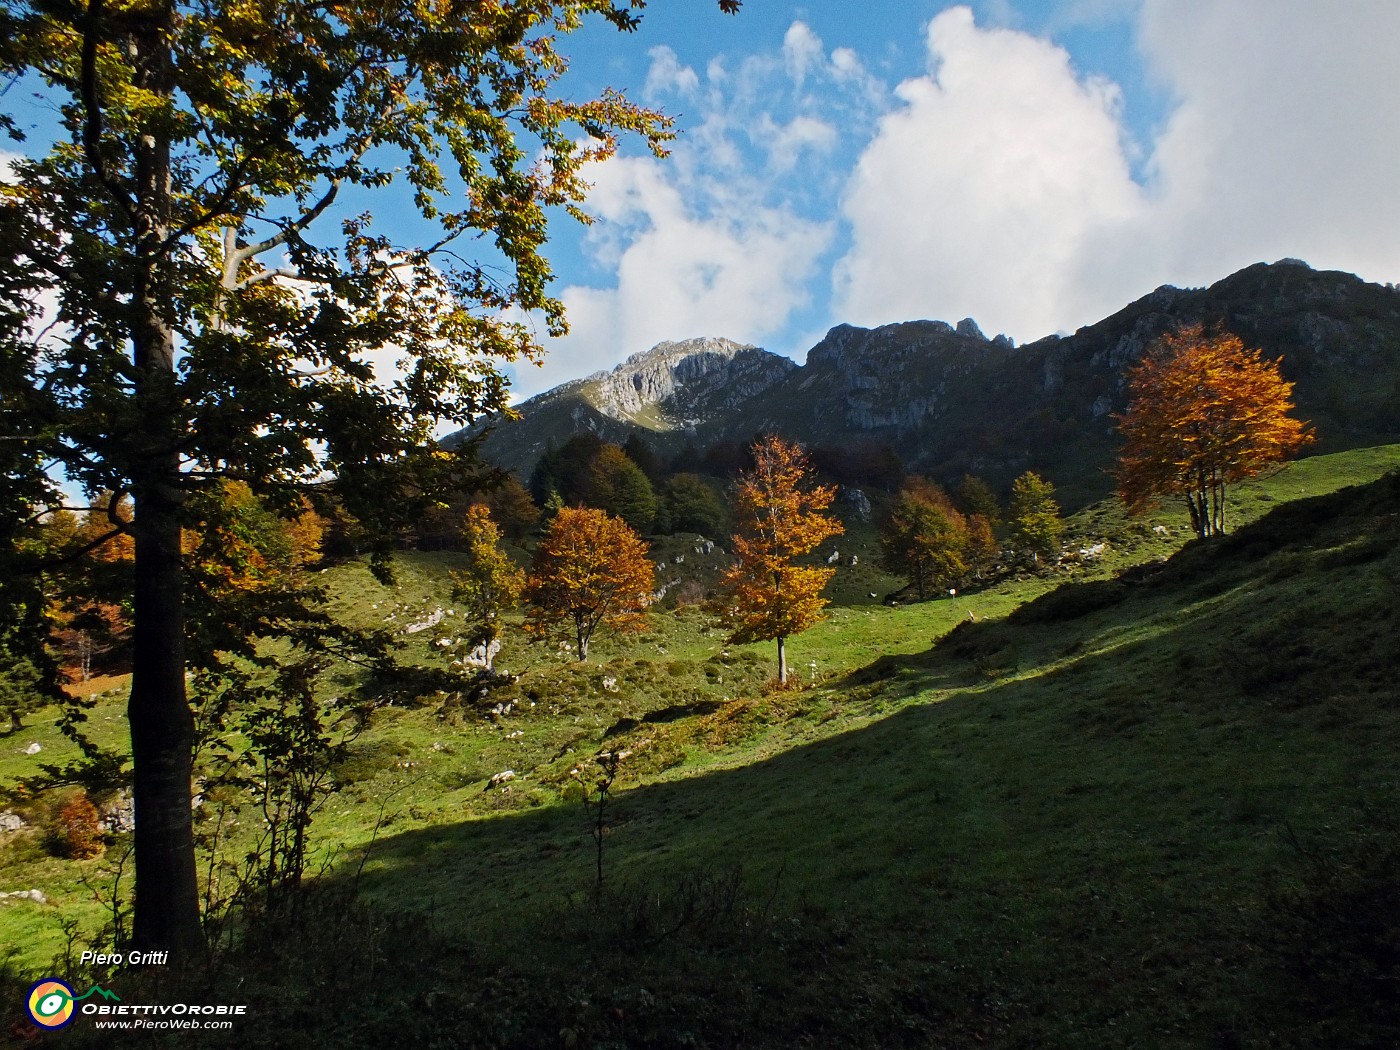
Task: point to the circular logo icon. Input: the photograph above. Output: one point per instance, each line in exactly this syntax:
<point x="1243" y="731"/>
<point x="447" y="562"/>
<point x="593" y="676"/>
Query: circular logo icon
<point x="50" y="1003"/>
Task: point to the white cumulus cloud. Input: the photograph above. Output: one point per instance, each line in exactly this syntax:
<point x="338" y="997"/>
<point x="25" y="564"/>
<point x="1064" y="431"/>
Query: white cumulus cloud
<point x="981" y="193"/>
<point x="802" y="51"/>
<point x="1283" y="140"/>
<point x="1000" y="185"/>
<point x="689" y="261"/>
<point x="666" y="75"/>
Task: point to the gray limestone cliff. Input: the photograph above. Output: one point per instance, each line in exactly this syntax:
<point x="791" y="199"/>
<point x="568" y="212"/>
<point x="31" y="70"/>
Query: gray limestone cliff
<point x="676" y="385"/>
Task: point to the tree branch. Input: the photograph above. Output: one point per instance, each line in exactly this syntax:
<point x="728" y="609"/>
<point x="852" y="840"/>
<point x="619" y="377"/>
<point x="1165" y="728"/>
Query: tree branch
<point x="113" y="503"/>
<point x="92" y="120"/>
<point x="252" y="251"/>
<point x="71" y="556"/>
<point x="34" y="519"/>
<point x="266" y="275"/>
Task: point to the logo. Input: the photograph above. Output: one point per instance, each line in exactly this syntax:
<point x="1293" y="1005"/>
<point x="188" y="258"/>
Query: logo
<point x="51" y="1002"/>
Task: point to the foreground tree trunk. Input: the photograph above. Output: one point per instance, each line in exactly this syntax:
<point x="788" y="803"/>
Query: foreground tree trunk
<point x="782" y="661"/>
<point x="166" y="911"/>
<point x="162" y="740"/>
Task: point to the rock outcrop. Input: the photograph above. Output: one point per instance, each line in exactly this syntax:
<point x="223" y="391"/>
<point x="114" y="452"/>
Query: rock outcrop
<point x="679" y="384"/>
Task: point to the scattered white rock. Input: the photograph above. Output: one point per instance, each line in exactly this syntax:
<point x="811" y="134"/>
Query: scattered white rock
<point x="34" y="748"/>
<point x="25" y="895"/>
<point x="504" y="776"/>
<point x="118" y="813"/>
<point x="433" y="619"/>
<point x="482" y="655"/>
<point x="10" y="821"/>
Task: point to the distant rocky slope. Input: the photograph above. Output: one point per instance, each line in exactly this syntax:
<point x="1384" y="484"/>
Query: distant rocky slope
<point x="949" y="400"/>
<point x="669" y="393"/>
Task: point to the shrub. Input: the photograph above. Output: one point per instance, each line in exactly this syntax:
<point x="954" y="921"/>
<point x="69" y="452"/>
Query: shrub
<point x="79" y="830"/>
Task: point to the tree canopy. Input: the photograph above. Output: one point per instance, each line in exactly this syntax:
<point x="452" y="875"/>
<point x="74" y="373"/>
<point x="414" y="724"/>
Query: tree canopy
<point x="1033" y="520"/>
<point x="590" y="569"/>
<point x="488" y="587"/>
<point x="924" y="538"/>
<point x="1204" y="412"/>
<point x="778" y="518"/>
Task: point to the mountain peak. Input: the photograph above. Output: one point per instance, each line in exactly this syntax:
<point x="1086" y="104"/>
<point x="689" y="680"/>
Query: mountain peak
<point x="673" y="382"/>
<point x="952" y="401"/>
<point x="675" y="349"/>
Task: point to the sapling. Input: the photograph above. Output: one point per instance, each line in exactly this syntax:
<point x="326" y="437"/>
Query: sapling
<point x="596" y="806"/>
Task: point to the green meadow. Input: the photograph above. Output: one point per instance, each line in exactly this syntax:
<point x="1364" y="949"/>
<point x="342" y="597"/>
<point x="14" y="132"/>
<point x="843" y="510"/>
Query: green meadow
<point x="1145" y="800"/>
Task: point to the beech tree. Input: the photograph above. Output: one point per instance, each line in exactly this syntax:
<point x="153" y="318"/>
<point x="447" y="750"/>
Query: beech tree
<point x="924" y="538"/>
<point x="590" y="569"/>
<point x="690" y="504"/>
<point x="977" y="499"/>
<point x="216" y="313"/>
<point x="489" y="586"/>
<point x="28" y="676"/>
<point x="617" y="485"/>
<point x="512" y="509"/>
<point x="1204" y="412"/>
<point x="778" y="519"/>
<point x="980" y="547"/>
<point x="1033" y="521"/>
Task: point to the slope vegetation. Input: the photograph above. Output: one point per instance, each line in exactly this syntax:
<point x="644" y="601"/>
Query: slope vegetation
<point x="1153" y="809"/>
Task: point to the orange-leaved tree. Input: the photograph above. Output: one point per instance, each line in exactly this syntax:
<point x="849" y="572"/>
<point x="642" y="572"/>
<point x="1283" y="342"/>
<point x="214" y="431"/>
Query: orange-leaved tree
<point x="589" y="569"/>
<point x="778" y="517"/>
<point x="1204" y="412"/>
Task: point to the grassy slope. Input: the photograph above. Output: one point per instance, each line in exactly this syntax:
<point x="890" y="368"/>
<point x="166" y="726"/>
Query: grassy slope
<point x="1067" y="831"/>
<point x="1062" y="829"/>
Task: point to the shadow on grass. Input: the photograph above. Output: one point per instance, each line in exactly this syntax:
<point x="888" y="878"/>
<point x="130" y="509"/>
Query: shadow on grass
<point x="1072" y="849"/>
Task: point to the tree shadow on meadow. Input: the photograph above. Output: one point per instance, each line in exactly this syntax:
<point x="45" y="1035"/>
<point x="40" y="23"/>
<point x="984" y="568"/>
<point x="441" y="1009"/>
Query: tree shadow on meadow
<point x="1083" y="824"/>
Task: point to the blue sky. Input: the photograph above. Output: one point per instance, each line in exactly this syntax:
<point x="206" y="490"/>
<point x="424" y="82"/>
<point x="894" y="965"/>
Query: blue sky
<point x="1033" y="164"/>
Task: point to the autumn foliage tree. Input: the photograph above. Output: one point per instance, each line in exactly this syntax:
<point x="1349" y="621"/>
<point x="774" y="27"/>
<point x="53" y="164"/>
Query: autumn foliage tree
<point x="1033" y="522"/>
<point x="512" y="509"/>
<point x="1204" y="412"/>
<point x="489" y="586"/>
<point x="779" y="518"/>
<point x="924" y="538"/>
<point x="590" y="569"/>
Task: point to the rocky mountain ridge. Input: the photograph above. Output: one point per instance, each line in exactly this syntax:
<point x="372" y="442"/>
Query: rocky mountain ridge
<point x="948" y="399"/>
<point x="682" y="383"/>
